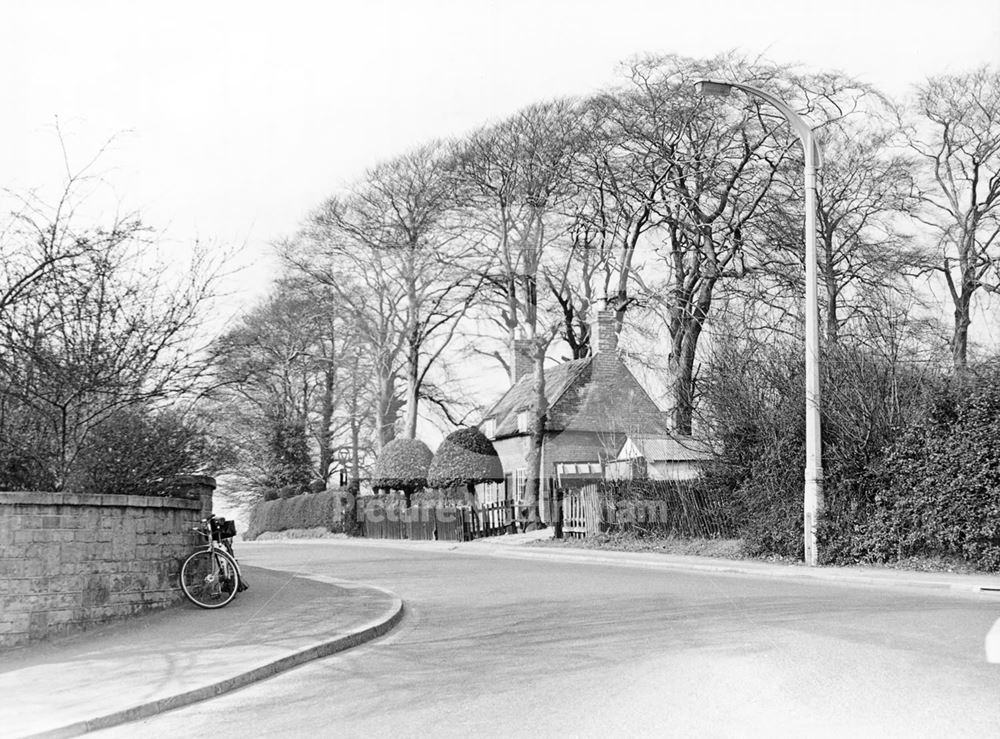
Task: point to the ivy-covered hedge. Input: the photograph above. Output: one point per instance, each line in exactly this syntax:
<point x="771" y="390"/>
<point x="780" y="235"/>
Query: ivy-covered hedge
<point x="465" y="457"/>
<point x="911" y="456"/>
<point x="306" y="511"/>
<point x="402" y="465"/>
<point x="937" y="490"/>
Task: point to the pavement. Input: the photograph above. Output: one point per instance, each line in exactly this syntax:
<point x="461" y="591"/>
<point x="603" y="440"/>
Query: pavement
<point x="171" y="658"/>
<point x="138" y="668"/>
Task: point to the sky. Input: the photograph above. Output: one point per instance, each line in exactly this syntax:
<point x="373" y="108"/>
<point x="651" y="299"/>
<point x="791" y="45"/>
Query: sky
<point x="230" y="121"/>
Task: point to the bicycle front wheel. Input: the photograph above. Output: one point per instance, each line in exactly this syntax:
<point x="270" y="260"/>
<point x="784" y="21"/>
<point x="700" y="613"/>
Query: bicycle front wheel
<point x="210" y="579"/>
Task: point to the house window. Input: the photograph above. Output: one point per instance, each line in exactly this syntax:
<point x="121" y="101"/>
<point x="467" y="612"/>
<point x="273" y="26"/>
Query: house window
<point x="522" y="422"/>
<point x="490" y="428"/>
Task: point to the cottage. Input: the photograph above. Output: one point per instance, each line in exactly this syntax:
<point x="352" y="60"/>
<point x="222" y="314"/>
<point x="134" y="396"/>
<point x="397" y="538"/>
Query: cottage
<point x="595" y="404"/>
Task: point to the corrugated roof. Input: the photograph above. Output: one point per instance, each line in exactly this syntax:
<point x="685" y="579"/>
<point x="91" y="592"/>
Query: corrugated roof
<point x="669" y="448"/>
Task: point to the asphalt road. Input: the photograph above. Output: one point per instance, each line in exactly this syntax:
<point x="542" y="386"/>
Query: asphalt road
<point x="502" y="647"/>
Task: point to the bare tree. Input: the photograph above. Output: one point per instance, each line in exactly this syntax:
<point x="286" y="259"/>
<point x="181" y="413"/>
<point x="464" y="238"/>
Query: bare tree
<point x="389" y="250"/>
<point x="516" y="178"/>
<point x="106" y="330"/>
<point x="719" y="161"/>
<point x="292" y="375"/>
<point x="957" y="137"/>
<point x="865" y="190"/>
<point x="38" y="238"/>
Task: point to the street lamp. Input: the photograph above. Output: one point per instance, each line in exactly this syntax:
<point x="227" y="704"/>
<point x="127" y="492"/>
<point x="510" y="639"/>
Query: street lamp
<point x="343" y="454"/>
<point x="813" y="498"/>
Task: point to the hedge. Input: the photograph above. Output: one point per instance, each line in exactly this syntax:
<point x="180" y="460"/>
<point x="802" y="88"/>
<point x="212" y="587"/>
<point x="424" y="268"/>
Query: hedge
<point x="306" y="511"/>
<point x="937" y="490"/>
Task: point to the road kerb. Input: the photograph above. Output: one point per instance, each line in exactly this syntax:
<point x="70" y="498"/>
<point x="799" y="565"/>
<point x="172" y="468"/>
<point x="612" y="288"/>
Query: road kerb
<point x="367" y="632"/>
<point x="899" y="579"/>
<point x="734" y="568"/>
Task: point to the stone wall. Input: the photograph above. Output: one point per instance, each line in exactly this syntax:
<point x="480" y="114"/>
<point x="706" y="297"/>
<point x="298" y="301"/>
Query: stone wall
<point x="68" y="562"/>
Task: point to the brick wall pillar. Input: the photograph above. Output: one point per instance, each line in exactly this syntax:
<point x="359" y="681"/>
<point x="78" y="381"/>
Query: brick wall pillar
<point x="195" y="487"/>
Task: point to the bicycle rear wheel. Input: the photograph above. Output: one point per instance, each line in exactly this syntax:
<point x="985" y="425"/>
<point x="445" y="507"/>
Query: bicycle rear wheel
<point x="210" y="579"/>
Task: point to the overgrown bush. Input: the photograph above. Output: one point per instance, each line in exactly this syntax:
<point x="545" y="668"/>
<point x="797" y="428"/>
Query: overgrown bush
<point x="136" y="452"/>
<point x="770" y="500"/>
<point x="756" y="400"/>
<point x="307" y="511"/>
<point x="465" y="458"/>
<point x="936" y="492"/>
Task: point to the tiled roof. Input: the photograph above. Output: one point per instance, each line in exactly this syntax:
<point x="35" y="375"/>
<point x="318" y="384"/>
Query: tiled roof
<point x="598" y="393"/>
<point x="521" y="396"/>
<point x="607" y="398"/>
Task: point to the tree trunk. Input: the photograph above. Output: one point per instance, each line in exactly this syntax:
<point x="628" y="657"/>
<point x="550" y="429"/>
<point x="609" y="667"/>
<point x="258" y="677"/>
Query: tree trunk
<point x="387" y="411"/>
<point x="413" y="346"/>
<point x="832" y="320"/>
<point x="534" y="458"/>
<point x="685" y="331"/>
<point x="326" y="421"/>
<point x="960" y="335"/>
<point x="682" y="364"/>
<point x="352" y="525"/>
<point x="832" y="291"/>
<point x="412" y="380"/>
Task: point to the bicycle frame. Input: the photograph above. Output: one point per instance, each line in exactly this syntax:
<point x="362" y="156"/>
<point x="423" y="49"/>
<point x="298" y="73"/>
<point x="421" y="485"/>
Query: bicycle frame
<point x="205" y="531"/>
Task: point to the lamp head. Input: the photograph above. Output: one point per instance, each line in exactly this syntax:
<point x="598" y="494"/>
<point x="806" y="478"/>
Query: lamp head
<point x="710" y="87"/>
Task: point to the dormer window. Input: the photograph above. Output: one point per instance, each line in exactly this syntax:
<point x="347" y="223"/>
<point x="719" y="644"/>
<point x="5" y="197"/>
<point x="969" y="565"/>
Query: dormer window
<point x="490" y="428"/>
<point x="522" y="422"/>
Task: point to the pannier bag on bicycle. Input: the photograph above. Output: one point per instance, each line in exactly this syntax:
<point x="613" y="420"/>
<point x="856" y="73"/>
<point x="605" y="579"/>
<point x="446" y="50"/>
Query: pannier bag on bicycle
<point x="211" y="577"/>
<point x="223" y="528"/>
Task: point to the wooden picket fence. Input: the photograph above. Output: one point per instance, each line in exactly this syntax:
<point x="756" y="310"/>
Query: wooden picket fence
<point x="495" y="519"/>
<point x="428" y="523"/>
<point x="582" y="512"/>
<point x="388" y="518"/>
<point x="677" y="510"/>
<point x="593" y="509"/>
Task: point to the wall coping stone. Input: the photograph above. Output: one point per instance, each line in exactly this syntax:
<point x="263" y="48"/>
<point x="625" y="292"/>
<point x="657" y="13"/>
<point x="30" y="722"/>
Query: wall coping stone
<point x="205" y="480"/>
<point x="80" y="499"/>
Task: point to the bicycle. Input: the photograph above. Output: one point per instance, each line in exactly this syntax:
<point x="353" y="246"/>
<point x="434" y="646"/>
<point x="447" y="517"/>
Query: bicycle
<point x="210" y="577"/>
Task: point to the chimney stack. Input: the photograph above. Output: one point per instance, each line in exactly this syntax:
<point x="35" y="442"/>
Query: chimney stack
<point x="521" y="361"/>
<point x="603" y="338"/>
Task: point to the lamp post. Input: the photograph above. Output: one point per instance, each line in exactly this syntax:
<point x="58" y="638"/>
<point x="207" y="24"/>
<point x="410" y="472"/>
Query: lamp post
<point x="342" y="457"/>
<point x="813" y="497"/>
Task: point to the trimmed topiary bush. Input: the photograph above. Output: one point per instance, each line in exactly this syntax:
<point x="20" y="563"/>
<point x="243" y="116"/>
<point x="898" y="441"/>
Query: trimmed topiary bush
<point x="466" y="457"/>
<point x="402" y="466"/>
